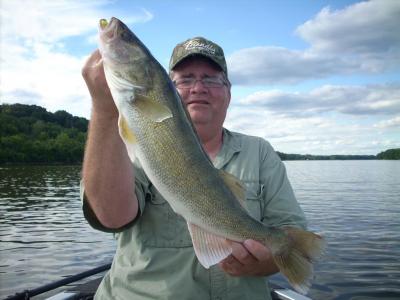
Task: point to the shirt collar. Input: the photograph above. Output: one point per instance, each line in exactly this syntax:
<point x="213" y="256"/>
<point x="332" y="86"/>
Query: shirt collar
<point x="230" y="145"/>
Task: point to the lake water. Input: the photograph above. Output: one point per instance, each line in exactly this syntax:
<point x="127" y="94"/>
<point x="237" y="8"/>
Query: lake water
<point x="354" y="204"/>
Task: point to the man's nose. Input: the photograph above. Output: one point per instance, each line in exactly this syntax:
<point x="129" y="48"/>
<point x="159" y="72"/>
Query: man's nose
<point x="198" y="86"/>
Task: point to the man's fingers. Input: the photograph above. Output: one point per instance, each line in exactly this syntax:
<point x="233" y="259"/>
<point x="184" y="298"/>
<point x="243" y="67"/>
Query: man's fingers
<point x="249" y="258"/>
<point x="242" y="254"/>
<point x="94" y="59"/>
<point x="90" y="61"/>
<point x="257" y="250"/>
<point x="232" y="266"/>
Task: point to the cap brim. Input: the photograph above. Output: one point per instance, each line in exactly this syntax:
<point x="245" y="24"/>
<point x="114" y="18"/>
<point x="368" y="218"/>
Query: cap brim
<point x="188" y="55"/>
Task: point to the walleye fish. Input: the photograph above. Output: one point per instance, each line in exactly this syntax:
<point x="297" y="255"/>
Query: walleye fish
<point x="157" y="131"/>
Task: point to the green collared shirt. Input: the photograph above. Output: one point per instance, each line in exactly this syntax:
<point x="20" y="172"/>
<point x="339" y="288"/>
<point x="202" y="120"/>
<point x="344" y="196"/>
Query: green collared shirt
<point x="155" y="257"/>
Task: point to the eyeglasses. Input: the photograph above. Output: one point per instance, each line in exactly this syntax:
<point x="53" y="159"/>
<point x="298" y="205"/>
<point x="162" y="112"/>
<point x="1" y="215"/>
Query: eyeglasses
<point x="208" y="82"/>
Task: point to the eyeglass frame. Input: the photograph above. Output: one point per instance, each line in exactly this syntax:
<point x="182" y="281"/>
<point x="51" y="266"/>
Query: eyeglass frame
<point x="203" y="80"/>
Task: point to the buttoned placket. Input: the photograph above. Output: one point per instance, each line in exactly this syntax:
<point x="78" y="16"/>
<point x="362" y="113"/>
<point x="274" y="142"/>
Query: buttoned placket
<point x="218" y="278"/>
<point x="218" y="285"/>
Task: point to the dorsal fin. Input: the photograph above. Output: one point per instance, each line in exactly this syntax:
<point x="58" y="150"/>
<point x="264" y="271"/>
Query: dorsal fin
<point x="236" y="187"/>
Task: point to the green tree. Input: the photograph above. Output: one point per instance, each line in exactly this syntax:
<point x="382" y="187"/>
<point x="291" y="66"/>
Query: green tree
<point x="389" y="154"/>
<point x="31" y="134"/>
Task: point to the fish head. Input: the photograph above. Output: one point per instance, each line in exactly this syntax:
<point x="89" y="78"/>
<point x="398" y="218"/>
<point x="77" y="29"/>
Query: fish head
<point x="132" y="73"/>
<point x="118" y="44"/>
<point x="124" y="56"/>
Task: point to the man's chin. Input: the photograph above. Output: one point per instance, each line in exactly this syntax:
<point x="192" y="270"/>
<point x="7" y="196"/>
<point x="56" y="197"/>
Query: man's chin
<point x="198" y="109"/>
<point x="199" y="118"/>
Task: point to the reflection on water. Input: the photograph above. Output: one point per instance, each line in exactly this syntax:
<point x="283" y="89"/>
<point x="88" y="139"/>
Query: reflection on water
<point x="42" y="231"/>
<point x="354" y="204"/>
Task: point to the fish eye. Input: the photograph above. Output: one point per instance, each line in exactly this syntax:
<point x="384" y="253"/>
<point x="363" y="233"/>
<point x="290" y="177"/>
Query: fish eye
<point x="125" y="35"/>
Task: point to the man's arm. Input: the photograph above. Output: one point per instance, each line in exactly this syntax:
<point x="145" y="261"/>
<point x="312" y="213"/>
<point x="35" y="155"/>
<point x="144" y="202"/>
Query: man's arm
<point x="107" y="174"/>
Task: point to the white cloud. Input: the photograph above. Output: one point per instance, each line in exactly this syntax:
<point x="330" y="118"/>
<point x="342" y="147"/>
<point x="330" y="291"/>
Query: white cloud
<point x="354" y="100"/>
<point x="273" y="65"/>
<point x="36" y="66"/>
<point x="142" y="17"/>
<point x="47" y="21"/>
<point x="362" y="38"/>
<point x="362" y="28"/>
<point x="52" y="76"/>
<point x="325" y="120"/>
<point x="315" y="134"/>
<point x="50" y="21"/>
<point x="391" y="123"/>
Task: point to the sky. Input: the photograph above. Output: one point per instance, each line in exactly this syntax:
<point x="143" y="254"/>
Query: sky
<point x="311" y="77"/>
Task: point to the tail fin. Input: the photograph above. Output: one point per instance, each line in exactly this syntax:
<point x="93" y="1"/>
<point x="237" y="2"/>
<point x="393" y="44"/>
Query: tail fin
<point x="295" y="261"/>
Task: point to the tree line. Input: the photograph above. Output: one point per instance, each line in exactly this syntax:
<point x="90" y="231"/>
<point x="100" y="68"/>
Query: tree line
<point x="390" y="154"/>
<point x="285" y="156"/>
<point x="31" y="134"/>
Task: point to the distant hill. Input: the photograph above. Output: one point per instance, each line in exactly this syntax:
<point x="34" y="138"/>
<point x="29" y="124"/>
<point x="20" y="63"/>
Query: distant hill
<point x="31" y="134"/>
<point x="389" y="154"/>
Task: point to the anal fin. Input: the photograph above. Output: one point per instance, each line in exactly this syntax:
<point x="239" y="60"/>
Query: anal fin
<point x="210" y="249"/>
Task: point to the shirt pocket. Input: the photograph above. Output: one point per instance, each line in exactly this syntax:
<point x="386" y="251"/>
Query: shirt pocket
<point x="254" y="194"/>
<point x="161" y="226"/>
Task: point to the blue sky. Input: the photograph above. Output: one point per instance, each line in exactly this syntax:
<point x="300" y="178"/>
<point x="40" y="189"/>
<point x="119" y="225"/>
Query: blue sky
<point x="318" y="77"/>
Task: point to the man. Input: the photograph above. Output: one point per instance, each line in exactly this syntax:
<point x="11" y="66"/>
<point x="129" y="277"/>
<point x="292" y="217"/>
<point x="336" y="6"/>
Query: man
<point x="155" y="257"/>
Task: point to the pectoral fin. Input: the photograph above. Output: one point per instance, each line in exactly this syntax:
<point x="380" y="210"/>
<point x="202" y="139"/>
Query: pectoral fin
<point x="152" y="109"/>
<point x="210" y="249"/>
<point x="128" y="136"/>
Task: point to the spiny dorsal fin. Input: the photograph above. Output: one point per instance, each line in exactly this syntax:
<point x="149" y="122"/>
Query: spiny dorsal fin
<point x="152" y="109"/>
<point x="236" y="187"/>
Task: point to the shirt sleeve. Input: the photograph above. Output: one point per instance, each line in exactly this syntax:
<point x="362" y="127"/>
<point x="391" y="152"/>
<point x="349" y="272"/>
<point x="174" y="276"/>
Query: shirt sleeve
<point x="280" y="205"/>
<point x="141" y="191"/>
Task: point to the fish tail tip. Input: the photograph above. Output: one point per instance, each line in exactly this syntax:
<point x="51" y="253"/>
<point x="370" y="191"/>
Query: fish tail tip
<point x="296" y="261"/>
<point x="310" y="244"/>
<point x="297" y="269"/>
<point x="302" y="288"/>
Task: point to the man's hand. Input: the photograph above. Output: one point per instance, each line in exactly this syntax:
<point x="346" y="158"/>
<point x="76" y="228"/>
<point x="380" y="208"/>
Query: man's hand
<point x="93" y="73"/>
<point x="249" y="258"/>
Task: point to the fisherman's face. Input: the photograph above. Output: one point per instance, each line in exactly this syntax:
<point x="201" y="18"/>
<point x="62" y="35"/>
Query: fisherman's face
<point x="205" y="104"/>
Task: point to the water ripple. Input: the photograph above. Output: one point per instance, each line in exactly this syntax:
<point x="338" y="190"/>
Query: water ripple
<point x="354" y="204"/>
<point x="43" y="233"/>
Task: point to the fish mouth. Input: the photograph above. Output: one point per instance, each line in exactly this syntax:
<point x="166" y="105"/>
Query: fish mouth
<point x="109" y="30"/>
<point x="117" y="44"/>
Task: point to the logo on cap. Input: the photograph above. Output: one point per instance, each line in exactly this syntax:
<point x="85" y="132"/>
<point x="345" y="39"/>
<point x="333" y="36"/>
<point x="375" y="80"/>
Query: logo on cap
<point x="199" y="46"/>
